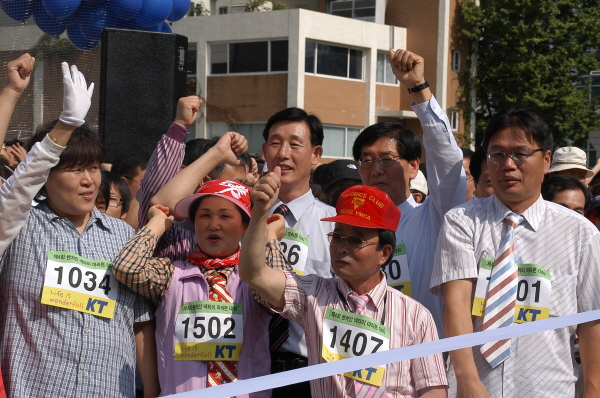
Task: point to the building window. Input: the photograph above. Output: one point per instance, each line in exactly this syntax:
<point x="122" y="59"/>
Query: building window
<point x="334" y="136"/>
<point x="249" y="57"/>
<point x="356" y="9"/>
<point x="454" y="120"/>
<point x="223" y="10"/>
<point x="455" y="61"/>
<point x="384" y="70"/>
<point x="252" y="132"/>
<point x="323" y="59"/>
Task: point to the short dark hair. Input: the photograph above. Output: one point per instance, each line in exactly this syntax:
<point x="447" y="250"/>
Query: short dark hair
<point x="83" y="149"/>
<point x="409" y="146"/>
<point x="386" y="237"/>
<point x="556" y="184"/>
<point x="193" y="150"/>
<point x="110" y="179"/>
<point x="477" y="160"/>
<point x="467" y="153"/>
<point x="195" y="204"/>
<point x="297" y="115"/>
<point x="215" y="173"/>
<point x="534" y="127"/>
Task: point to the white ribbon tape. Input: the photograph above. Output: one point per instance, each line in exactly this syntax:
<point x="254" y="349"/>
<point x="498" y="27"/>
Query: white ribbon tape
<point x="385" y="357"/>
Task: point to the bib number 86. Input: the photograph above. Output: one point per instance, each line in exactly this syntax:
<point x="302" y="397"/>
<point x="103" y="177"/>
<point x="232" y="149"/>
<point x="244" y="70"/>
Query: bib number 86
<point x="292" y="255"/>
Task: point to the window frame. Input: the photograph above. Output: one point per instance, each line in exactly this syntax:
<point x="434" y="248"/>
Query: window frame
<point x="348" y="48"/>
<point x="454" y="119"/>
<point x="347" y="151"/>
<point x="456" y="61"/>
<point x="353" y="9"/>
<point x="385" y="63"/>
<point x="228" y="43"/>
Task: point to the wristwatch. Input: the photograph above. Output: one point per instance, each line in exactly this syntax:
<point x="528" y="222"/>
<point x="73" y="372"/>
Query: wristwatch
<point x="418" y="88"/>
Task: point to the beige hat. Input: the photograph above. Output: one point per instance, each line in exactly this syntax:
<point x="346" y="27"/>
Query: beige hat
<point x="569" y="157"/>
<point x="419" y="183"/>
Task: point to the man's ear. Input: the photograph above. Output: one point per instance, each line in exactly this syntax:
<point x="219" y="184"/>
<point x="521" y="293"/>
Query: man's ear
<point x="317" y="152"/>
<point x="386" y="252"/>
<point x="414" y="167"/>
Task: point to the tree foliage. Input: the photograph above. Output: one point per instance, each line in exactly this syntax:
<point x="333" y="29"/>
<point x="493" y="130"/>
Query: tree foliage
<point x="198" y="9"/>
<point x="531" y="54"/>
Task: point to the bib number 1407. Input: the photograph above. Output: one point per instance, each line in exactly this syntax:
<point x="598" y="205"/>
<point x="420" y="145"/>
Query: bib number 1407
<point x="357" y="343"/>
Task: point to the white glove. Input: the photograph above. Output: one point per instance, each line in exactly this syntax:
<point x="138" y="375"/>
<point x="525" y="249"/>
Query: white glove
<point x="77" y="98"/>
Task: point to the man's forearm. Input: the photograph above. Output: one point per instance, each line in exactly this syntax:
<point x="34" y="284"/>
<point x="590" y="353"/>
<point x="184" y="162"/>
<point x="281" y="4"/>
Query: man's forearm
<point x="589" y="351"/>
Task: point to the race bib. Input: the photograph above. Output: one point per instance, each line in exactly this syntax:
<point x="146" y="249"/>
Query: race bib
<point x="396" y="272"/>
<point x="348" y="335"/>
<point x="209" y="331"/>
<point x="80" y="284"/>
<point x="534" y="291"/>
<point x="295" y="247"/>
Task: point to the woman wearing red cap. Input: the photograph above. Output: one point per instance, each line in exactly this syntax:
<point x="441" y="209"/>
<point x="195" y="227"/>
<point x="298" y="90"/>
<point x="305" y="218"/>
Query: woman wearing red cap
<point x="209" y="328"/>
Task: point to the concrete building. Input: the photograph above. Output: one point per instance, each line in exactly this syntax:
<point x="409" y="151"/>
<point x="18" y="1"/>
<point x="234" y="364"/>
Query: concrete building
<point x="328" y="57"/>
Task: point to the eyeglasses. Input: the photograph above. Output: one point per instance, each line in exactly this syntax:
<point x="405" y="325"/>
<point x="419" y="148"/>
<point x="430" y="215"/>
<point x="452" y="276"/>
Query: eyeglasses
<point x="353" y="242"/>
<point x="384" y="161"/>
<point x="517" y="157"/>
<point x="115" y="202"/>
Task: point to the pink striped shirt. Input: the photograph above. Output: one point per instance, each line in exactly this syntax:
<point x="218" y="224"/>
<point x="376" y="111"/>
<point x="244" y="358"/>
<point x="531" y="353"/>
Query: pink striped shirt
<point x="306" y="301"/>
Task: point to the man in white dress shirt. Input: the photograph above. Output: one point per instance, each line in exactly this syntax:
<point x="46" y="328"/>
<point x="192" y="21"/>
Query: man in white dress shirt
<point x="514" y="258"/>
<point x="293" y="142"/>
<point x="388" y="155"/>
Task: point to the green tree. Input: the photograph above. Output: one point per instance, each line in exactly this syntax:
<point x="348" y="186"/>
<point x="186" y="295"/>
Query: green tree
<point x="256" y="6"/>
<point x="198" y="9"/>
<point x="531" y="54"/>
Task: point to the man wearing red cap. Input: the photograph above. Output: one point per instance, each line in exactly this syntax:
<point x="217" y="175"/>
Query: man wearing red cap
<point x="377" y="316"/>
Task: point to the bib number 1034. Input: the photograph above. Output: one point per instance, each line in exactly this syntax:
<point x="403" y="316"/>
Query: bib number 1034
<point x="80" y="284"/>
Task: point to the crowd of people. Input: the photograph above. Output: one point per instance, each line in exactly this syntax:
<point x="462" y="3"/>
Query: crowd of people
<point x="201" y="267"/>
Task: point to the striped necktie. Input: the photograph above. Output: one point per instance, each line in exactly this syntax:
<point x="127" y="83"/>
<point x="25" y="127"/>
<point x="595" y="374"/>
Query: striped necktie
<point x="220" y="372"/>
<point x="363" y="390"/>
<point x="279" y="327"/>
<point x="502" y="295"/>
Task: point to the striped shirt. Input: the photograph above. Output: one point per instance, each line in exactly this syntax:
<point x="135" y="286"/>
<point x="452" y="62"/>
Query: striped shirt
<point x="48" y="351"/>
<point x="550" y="236"/>
<point x="166" y="160"/>
<point x="306" y="301"/>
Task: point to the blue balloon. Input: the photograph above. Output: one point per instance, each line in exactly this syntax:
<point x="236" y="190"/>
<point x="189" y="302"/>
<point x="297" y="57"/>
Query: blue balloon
<point x="78" y="39"/>
<point x="165" y="28"/>
<point x="47" y="23"/>
<point x="180" y="9"/>
<point x="154" y="12"/>
<point x="61" y="9"/>
<point x="125" y="9"/>
<point x="19" y="10"/>
<point x="92" y="20"/>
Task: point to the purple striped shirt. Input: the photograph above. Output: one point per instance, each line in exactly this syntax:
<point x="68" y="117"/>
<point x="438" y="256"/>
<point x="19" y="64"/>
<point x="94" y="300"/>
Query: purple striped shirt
<point x="306" y="301"/>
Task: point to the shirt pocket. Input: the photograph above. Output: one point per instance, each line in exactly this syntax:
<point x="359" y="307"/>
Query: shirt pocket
<point x="564" y="294"/>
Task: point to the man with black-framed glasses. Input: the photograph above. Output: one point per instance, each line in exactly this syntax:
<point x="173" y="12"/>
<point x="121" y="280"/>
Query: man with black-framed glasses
<point x="515" y="258"/>
<point x="389" y="158"/>
<point x="356" y="313"/>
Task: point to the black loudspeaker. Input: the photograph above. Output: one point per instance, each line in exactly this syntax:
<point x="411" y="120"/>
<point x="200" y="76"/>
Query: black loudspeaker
<point x="143" y="75"/>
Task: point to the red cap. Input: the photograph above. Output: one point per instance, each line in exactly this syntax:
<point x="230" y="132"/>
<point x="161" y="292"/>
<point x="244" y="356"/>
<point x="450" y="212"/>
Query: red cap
<point x="230" y="190"/>
<point x="368" y="207"/>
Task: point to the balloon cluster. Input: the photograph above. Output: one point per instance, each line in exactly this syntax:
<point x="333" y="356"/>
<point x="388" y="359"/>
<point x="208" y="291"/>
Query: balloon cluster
<point x="84" y="19"/>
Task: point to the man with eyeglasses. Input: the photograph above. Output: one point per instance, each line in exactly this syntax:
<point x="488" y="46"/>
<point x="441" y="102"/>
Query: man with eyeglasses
<point x="388" y="155"/>
<point x="516" y="258"/>
<point x="356" y="313"/>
